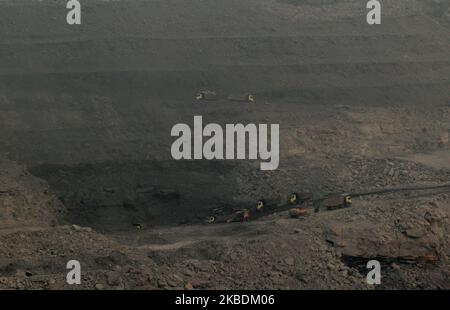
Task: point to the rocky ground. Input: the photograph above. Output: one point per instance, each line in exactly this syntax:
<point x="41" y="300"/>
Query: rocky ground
<point x="86" y="172"/>
<point x="406" y="232"/>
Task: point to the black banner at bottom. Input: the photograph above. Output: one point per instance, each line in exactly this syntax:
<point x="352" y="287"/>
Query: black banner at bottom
<point x="209" y="299"/>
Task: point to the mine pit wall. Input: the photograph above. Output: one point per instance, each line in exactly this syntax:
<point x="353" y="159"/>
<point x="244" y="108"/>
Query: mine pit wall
<point x="90" y="109"/>
<point x="26" y="201"/>
<point x="111" y="196"/>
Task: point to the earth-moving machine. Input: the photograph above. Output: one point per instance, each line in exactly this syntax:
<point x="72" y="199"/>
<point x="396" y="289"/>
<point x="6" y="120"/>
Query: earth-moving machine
<point x="335" y="202"/>
<point x="296" y="200"/>
<point x="242" y="98"/>
<point x="207" y="95"/>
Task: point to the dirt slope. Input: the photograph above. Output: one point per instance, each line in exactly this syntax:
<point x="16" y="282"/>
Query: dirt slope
<point x="327" y="250"/>
<point x="25" y="200"/>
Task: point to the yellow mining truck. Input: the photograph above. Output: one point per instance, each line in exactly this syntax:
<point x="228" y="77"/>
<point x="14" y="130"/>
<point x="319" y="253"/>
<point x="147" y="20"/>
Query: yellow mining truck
<point x="207" y="95"/>
<point x="242" y="98"/>
<point x="299" y="201"/>
<point x="335" y="202"/>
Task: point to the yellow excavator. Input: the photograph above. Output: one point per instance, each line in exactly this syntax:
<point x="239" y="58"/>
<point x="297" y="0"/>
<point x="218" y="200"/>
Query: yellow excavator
<point x="298" y="210"/>
<point x="260" y="205"/>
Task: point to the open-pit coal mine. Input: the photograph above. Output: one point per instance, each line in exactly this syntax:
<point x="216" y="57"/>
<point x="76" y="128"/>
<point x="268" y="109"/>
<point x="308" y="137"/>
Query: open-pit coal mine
<point x="91" y="114"/>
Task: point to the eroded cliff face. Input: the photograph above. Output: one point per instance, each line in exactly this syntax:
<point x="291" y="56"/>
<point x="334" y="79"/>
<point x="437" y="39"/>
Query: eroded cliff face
<point x="25" y="201"/>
